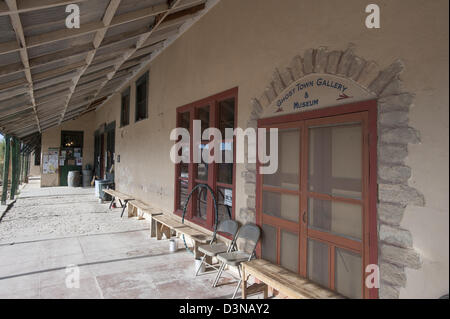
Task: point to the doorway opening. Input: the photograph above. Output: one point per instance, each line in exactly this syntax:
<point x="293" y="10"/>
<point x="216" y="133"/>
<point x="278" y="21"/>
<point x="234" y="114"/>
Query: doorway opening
<point x="104" y="151"/>
<point x="71" y="153"/>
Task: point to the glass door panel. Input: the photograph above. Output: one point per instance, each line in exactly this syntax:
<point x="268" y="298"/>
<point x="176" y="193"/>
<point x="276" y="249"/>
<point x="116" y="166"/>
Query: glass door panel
<point x="200" y="203"/>
<point x="269" y="243"/>
<point x="289" y="250"/>
<point x="224" y="202"/>
<point x="287" y="175"/>
<point x="348" y="273"/>
<point x="338" y="218"/>
<point x="318" y="258"/>
<point x="183" y="191"/>
<point x="335" y="160"/>
<point x="280" y="205"/>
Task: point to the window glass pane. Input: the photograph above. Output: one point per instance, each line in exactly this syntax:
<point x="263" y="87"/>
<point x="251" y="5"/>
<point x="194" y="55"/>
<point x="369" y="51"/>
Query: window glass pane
<point x="348" y="273"/>
<point x="185" y="120"/>
<point x="335" y="160"/>
<point x="224" y="203"/>
<point x="289" y="250"/>
<point x="287" y="175"/>
<point x="202" y="168"/>
<point x="339" y="218"/>
<point x="141" y="97"/>
<point x="280" y="205"/>
<point x="269" y="243"/>
<point x="203" y="116"/>
<point x="226" y="115"/>
<point x="183" y="193"/>
<point x="184" y="170"/>
<point x="200" y="197"/>
<point x="318" y="262"/>
<point x="224" y="169"/>
<point x="125" y="114"/>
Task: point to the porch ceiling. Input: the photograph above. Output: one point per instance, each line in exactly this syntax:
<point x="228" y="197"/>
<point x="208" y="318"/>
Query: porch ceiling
<point x="50" y="74"/>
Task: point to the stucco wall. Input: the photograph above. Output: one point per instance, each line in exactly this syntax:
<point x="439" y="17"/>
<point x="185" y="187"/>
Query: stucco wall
<point x="51" y="138"/>
<point x="239" y="43"/>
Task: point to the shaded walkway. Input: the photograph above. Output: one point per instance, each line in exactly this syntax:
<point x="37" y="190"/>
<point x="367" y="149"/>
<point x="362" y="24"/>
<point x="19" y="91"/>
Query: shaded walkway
<point x="49" y="229"/>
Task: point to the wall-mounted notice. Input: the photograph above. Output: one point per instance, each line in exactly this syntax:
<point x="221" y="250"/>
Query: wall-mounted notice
<point x="50" y="161"/>
<point x="228" y="197"/>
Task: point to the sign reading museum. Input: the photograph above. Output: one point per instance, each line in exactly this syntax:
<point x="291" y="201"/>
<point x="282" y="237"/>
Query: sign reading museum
<point x="316" y="91"/>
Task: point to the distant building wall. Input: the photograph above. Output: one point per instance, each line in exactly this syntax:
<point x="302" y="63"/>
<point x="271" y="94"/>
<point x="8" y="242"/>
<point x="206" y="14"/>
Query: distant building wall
<point x="51" y="138"/>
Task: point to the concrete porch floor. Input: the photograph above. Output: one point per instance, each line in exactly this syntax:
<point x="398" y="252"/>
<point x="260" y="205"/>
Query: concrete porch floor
<point x="49" y="229"/>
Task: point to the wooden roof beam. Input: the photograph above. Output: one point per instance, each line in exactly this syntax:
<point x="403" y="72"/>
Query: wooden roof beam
<point x="141" y="40"/>
<point x="17" y="26"/>
<point x="98" y="38"/>
<point x="33" y="5"/>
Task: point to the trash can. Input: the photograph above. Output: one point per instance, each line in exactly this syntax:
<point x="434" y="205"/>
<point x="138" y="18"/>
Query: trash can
<point x="100" y="185"/>
<point x="87" y="177"/>
<point x="73" y="179"/>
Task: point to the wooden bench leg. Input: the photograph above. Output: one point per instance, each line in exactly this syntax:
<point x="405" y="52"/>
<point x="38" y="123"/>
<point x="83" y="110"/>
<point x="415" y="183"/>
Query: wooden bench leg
<point x="158" y="230"/>
<point x="141" y="215"/>
<point x="197" y="254"/>
<point x="244" y="284"/>
<point x="166" y="231"/>
<point x="152" y="228"/>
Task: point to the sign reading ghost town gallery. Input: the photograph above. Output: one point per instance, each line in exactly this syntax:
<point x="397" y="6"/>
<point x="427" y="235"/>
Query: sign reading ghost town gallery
<point x="316" y="91"/>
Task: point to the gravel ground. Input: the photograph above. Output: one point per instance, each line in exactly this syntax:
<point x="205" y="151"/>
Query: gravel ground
<point x="42" y="213"/>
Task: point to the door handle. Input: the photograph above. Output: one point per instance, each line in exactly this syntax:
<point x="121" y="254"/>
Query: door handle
<point x="304" y="217"/>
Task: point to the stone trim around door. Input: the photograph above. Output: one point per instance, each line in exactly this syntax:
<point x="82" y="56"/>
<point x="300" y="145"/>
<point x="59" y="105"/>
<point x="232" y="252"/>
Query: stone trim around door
<point x="395" y="244"/>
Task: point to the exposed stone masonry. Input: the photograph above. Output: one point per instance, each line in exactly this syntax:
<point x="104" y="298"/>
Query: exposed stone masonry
<point x="395" y="244"/>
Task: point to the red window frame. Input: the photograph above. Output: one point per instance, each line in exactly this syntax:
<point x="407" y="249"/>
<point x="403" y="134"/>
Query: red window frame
<point x="213" y="102"/>
<point x="369" y="245"/>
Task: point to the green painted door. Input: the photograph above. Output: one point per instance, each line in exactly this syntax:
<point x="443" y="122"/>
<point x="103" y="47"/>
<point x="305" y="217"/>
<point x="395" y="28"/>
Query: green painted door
<point x="70" y="155"/>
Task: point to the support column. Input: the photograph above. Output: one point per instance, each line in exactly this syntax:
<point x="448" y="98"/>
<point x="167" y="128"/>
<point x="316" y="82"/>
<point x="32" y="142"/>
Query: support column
<point x="27" y="167"/>
<point x="6" y="169"/>
<point x="19" y="163"/>
<point x="20" y="168"/>
<point x="14" y="162"/>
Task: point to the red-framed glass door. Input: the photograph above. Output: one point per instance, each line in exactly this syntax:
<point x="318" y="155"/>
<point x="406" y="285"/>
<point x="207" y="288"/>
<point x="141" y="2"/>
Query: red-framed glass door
<point x="334" y="188"/>
<point x="217" y="111"/>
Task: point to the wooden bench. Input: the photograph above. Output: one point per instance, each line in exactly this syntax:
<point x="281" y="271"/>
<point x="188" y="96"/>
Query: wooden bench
<point x="165" y="224"/>
<point x="134" y="206"/>
<point x="120" y="196"/>
<point x="284" y="281"/>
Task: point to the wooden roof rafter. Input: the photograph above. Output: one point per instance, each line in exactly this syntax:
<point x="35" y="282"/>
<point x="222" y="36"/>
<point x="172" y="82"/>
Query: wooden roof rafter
<point x="17" y="25"/>
<point x="48" y="68"/>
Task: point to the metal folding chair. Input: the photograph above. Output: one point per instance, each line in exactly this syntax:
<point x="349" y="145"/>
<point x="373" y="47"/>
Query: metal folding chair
<point x="246" y="241"/>
<point x="214" y="248"/>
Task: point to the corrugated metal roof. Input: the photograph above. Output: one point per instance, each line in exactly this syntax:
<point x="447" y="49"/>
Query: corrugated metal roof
<point x="62" y="73"/>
